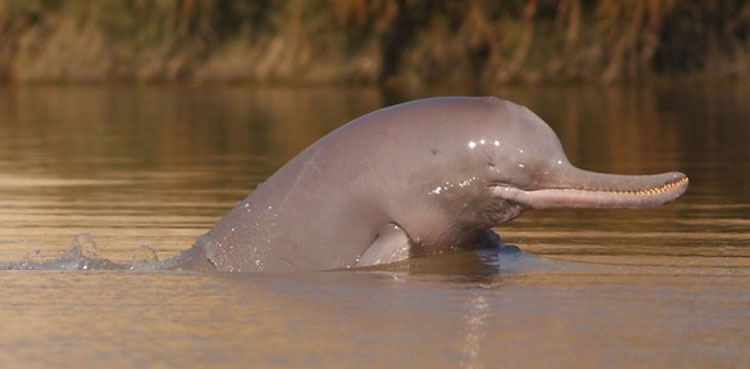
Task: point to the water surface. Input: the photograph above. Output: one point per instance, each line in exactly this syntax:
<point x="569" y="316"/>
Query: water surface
<point x="158" y="165"/>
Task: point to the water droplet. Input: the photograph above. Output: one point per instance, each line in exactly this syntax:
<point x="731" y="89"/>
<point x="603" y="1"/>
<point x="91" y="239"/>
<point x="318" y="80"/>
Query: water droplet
<point x="84" y="245"/>
<point x="33" y="254"/>
<point x="472" y="144"/>
<point x="520" y="165"/>
<point x="144" y="254"/>
<point x="497" y="143"/>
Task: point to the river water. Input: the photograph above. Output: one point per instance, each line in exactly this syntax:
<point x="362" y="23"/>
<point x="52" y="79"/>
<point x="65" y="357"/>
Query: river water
<point x="158" y="165"/>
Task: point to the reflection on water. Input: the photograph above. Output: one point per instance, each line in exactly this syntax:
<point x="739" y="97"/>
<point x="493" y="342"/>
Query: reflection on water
<point x="159" y="165"/>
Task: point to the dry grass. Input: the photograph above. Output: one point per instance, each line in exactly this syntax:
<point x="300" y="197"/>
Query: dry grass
<point x="380" y="41"/>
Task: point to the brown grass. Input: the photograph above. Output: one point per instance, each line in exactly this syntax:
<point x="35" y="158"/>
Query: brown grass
<point x="380" y="41"/>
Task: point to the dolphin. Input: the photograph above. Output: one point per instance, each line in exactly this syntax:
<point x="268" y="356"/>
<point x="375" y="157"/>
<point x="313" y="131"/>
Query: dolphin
<point x="413" y="179"/>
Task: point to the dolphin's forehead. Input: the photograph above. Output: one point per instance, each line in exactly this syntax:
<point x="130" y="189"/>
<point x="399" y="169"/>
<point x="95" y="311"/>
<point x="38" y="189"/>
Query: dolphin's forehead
<point x="505" y="130"/>
<point x="465" y="132"/>
<point x="528" y="130"/>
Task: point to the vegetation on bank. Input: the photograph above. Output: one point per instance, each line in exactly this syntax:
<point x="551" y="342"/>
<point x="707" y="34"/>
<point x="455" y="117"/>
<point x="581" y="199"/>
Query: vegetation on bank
<point x="375" y="41"/>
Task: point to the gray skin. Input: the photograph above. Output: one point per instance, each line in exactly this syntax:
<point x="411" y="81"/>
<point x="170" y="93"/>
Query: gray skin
<point x="409" y="180"/>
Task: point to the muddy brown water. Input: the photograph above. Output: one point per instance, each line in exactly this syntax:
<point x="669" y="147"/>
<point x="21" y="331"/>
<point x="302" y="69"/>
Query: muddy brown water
<point x="158" y="165"/>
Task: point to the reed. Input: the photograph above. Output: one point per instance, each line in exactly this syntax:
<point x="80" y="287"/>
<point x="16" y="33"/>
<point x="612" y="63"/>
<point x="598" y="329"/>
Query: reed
<point x="409" y="42"/>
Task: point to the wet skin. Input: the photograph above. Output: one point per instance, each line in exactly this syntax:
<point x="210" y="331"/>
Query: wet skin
<point x="410" y="180"/>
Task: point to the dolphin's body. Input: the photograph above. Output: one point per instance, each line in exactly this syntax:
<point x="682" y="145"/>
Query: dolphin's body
<point x="411" y="179"/>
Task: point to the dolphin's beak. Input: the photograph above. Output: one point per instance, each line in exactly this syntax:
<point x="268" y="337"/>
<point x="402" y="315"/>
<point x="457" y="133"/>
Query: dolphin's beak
<point x="579" y="188"/>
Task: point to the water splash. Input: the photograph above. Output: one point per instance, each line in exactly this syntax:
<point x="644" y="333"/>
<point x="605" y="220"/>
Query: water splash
<point x="145" y="258"/>
<point x="83" y="254"/>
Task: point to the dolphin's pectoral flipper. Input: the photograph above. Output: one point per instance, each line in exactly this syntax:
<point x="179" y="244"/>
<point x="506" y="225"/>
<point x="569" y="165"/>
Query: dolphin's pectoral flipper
<point x="391" y="245"/>
<point x="488" y="239"/>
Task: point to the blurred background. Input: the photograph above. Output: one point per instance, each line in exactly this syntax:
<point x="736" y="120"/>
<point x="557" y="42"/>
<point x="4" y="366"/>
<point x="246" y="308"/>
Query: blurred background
<point x="392" y="42"/>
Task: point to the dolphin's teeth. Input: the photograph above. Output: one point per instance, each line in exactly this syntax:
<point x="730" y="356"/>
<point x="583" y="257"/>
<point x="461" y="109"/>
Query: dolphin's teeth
<point x="647" y="191"/>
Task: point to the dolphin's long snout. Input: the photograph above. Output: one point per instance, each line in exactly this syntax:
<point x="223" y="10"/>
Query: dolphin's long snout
<point x="580" y="188"/>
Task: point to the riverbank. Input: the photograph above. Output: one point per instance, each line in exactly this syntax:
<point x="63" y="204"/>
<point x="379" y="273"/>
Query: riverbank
<point x="391" y="42"/>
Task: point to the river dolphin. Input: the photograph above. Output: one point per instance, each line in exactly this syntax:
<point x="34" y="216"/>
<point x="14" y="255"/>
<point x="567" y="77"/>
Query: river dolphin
<point x="412" y="179"/>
